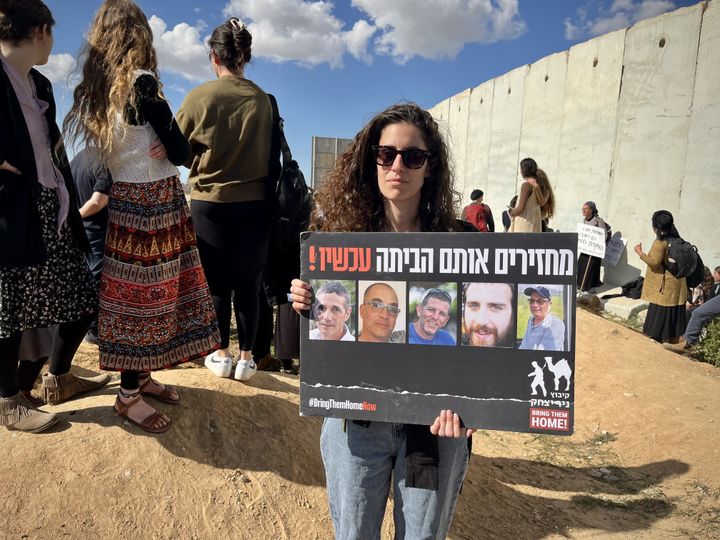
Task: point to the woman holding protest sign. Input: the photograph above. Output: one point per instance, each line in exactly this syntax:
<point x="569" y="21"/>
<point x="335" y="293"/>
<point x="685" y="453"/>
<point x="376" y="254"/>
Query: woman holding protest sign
<point x="393" y="177"/>
<point x="229" y="124"/>
<point x="588" y="276"/>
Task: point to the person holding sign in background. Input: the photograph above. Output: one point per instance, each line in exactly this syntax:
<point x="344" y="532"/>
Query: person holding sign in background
<point x="393" y="177"/>
<point x="588" y="276"/>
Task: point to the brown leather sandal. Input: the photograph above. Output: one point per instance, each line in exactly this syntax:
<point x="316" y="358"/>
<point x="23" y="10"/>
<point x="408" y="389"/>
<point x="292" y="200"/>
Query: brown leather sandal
<point x="148" y="424"/>
<point x="165" y="396"/>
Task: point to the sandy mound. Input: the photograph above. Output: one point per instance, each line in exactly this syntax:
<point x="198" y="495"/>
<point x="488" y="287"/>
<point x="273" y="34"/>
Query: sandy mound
<point x="644" y="461"/>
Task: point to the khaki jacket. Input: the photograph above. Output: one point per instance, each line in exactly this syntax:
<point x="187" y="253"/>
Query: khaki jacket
<point x="660" y="286"/>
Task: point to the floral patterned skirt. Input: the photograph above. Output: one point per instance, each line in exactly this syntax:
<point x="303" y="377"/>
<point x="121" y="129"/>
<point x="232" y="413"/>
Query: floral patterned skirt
<point x="155" y="306"/>
<point x="59" y="290"/>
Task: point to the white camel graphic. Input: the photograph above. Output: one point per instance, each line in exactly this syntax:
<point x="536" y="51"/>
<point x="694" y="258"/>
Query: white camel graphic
<point x="539" y="380"/>
<point x="559" y="370"/>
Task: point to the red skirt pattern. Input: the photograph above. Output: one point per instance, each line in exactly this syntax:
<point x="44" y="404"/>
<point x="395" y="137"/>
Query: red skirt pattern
<point x="155" y="305"/>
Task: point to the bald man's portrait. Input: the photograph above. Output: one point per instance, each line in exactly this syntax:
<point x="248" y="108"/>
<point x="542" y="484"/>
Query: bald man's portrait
<point x="381" y="312"/>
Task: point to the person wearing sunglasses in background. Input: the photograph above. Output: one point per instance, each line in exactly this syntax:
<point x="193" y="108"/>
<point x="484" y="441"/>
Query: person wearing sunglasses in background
<point x="379" y="312"/>
<point x="332" y="309"/>
<point x="544" y="332"/>
<point x="433" y="314"/>
<point x="393" y="177"/>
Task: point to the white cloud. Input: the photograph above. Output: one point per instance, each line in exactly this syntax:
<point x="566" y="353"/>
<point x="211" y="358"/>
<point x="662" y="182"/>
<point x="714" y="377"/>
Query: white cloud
<point x="181" y="50"/>
<point x="620" y="14"/>
<point x="307" y="32"/>
<point x="59" y="69"/>
<point x="438" y="29"/>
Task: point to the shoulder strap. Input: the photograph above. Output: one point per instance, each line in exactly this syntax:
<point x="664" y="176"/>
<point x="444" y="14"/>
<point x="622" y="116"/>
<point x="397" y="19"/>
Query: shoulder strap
<point x="278" y="124"/>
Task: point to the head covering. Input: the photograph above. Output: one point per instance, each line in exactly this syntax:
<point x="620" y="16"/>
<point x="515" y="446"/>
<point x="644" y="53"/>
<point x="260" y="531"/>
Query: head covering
<point x="664" y="224"/>
<point x="542" y="291"/>
<point x="593" y="207"/>
<point x="476" y="194"/>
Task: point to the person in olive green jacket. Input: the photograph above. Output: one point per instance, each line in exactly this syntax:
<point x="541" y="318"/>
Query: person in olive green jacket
<point x="228" y="122"/>
<point x="666" y="316"/>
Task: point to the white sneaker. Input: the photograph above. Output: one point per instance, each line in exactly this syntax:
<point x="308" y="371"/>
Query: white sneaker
<point x="222" y="367"/>
<point x="244" y="370"/>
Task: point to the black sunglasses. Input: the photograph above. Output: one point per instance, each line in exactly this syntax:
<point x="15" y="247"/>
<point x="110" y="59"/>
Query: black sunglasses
<point x="413" y="158"/>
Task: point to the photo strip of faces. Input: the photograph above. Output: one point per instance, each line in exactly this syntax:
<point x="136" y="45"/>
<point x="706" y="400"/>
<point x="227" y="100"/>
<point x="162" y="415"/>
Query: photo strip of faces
<point x="528" y="316"/>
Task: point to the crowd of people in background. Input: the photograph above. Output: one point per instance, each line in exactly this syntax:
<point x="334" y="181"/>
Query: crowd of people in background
<point x="107" y="248"/>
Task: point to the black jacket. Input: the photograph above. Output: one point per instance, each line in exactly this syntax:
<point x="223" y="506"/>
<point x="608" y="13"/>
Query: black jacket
<point x="21" y="242"/>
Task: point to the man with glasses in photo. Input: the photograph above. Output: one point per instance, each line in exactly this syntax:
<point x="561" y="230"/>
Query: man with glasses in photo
<point x="332" y="309"/>
<point x="378" y="312"/>
<point x="544" y="332"/>
<point x="433" y="314"/>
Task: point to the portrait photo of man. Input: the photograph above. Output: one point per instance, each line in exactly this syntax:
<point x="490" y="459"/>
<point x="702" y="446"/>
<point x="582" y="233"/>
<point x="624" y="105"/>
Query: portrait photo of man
<point x="488" y="315"/>
<point x="331" y="312"/>
<point x="545" y="330"/>
<point x="434" y="311"/>
<point x="380" y="312"/>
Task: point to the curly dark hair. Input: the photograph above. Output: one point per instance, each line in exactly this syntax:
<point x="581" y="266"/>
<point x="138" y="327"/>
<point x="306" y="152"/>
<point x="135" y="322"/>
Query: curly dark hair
<point x="350" y="199"/>
<point x="18" y="19"/>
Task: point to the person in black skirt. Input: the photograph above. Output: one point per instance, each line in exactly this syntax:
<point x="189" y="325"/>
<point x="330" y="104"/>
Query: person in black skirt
<point x="44" y="278"/>
<point x="588" y="276"/>
<point x="666" y="316"/>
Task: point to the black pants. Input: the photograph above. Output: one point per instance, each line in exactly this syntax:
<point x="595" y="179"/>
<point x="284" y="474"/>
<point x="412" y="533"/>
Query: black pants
<point x="66" y="341"/>
<point x="264" y="334"/>
<point x="233" y="241"/>
<point x="287" y="333"/>
<point x="95" y="259"/>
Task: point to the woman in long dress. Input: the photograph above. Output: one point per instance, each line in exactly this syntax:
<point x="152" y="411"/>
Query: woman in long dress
<point x="155" y="307"/>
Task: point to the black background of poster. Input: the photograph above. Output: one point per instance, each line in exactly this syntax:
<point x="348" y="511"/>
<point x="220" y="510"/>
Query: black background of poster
<point x="488" y="387"/>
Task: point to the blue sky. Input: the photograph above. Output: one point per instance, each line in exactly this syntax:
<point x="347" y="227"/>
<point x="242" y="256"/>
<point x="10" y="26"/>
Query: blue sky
<point x="332" y="64"/>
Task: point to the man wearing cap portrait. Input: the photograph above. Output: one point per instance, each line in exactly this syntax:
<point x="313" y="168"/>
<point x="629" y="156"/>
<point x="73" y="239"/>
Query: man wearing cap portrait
<point x="544" y="331"/>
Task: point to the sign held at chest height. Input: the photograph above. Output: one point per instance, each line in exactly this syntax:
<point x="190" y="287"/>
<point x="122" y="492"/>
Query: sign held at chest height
<point x="404" y="325"/>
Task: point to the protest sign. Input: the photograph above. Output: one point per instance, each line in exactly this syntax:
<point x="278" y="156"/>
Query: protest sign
<point x="404" y="325"/>
<point x="591" y="240"/>
<point x="614" y="250"/>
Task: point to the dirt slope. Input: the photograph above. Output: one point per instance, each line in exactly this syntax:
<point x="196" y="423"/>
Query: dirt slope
<point x="644" y="461"/>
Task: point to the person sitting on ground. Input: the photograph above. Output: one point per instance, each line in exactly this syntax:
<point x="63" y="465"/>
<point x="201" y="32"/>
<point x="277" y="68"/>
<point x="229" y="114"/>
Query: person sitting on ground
<point x="701" y="316"/>
<point x="478" y="213"/>
<point x="394" y="176"/>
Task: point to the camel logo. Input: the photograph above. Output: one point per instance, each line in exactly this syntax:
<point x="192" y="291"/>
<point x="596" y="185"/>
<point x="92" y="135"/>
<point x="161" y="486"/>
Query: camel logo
<point x="560" y="370"/>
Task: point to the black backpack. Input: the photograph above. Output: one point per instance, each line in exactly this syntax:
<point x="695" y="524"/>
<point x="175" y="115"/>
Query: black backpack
<point x="683" y="261"/>
<point x="292" y="202"/>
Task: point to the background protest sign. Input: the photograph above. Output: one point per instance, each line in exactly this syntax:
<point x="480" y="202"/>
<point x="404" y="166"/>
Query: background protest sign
<point x="495" y="340"/>
<point x="614" y="249"/>
<point x="591" y="240"/>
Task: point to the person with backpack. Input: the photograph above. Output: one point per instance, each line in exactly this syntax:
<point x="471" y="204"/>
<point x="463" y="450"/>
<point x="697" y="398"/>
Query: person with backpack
<point x="229" y="122"/>
<point x="478" y="213"/>
<point x="588" y="276"/>
<point x="666" y="317"/>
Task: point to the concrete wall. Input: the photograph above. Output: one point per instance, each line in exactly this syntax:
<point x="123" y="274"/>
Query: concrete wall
<point x="630" y="119"/>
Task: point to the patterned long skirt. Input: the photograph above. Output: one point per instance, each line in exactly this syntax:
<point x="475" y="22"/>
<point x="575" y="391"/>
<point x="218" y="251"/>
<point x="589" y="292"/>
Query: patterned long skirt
<point x="60" y="289"/>
<point x="155" y="306"/>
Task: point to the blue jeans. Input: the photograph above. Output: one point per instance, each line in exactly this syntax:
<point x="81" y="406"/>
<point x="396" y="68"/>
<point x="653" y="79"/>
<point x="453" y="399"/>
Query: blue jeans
<point x="701" y="315"/>
<point x="361" y="462"/>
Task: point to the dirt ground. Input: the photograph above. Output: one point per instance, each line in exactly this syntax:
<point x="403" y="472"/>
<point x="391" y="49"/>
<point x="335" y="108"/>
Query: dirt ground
<point x="644" y="461"/>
